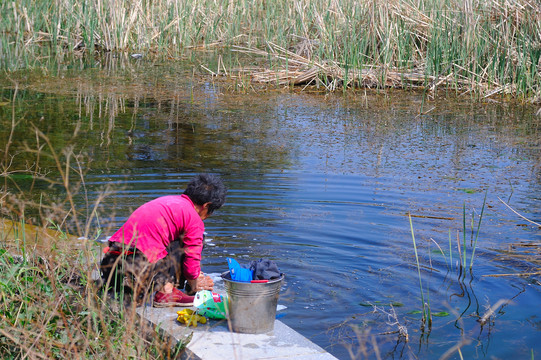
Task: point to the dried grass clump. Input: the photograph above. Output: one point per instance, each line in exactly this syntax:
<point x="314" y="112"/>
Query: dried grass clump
<point x="330" y="75"/>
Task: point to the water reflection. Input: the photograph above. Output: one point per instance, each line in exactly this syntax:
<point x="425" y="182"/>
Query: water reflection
<point x="321" y="184"/>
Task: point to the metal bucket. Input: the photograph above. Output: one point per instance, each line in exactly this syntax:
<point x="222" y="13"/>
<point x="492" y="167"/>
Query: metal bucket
<point x="252" y="306"/>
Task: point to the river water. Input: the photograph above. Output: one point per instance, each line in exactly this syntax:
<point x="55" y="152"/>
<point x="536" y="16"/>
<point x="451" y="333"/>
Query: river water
<point x="323" y="185"/>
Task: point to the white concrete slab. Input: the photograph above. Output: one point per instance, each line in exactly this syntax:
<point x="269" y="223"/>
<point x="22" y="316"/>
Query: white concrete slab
<point x="214" y="340"/>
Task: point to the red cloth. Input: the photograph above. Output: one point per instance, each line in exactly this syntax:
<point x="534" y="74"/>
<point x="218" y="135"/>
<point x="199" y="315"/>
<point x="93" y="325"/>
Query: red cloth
<point x="154" y="225"/>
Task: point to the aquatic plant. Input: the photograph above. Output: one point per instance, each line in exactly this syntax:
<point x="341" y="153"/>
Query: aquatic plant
<point x="462" y="251"/>
<point x="474" y="237"/>
<point x="426" y="317"/>
<point x="474" y="245"/>
<point x="490" y="47"/>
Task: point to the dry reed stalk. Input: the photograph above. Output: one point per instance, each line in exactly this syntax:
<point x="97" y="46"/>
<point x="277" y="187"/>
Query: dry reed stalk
<point x="492" y="309"/>
<point x="488" y="47"/>
<point x="521" y="216"/>
<point x="517" y="274"/>
<point x="302" y="70"/>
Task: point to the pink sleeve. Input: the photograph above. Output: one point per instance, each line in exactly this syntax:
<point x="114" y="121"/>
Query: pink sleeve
<point x="193" y="246"/>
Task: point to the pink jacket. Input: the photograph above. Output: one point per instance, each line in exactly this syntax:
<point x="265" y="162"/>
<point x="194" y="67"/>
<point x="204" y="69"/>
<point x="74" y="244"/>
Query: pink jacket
<point x="153" y="226"/>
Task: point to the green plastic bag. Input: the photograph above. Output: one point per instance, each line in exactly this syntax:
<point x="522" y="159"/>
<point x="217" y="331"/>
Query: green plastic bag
<point x="211" y="305"/>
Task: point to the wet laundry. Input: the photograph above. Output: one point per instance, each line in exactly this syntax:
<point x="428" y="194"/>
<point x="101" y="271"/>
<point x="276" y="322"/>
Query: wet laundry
<point x="264" y="269"/>
<point x="256" y="270"/>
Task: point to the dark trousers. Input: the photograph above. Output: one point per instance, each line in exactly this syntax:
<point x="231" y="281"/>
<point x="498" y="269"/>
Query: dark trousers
<point x="127" y="270"/>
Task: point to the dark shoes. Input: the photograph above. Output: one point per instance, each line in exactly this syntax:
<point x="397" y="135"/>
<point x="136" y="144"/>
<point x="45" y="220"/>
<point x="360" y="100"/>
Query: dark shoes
<point x="175" y="298"/>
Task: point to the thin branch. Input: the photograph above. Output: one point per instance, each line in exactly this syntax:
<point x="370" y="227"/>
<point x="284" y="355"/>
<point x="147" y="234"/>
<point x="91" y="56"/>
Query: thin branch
<point x="513" y="210"/>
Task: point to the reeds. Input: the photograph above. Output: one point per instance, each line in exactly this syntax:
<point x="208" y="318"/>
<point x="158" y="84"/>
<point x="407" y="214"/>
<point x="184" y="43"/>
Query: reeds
<point x="427" y="316"/>
<point x="51" y="304"/>
<point x="462" y="257"/>
<point x="490" y="48"/>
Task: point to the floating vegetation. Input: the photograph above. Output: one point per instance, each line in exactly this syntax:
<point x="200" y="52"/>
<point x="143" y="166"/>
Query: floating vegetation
<point x="440" y="314"/>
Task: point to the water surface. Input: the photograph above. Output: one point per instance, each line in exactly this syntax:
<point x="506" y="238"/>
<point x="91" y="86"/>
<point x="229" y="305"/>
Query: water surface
<point x="323" y="185"/>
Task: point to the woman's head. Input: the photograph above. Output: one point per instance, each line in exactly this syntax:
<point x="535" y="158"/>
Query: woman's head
<point x="207" y="188"/>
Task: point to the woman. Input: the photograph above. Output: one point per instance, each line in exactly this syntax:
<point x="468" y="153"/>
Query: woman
<point x="159" y="247"/>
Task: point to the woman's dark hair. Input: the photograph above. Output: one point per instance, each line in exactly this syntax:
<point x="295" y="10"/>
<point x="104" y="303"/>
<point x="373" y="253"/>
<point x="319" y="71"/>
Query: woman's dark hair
<point x="207" y="188"/>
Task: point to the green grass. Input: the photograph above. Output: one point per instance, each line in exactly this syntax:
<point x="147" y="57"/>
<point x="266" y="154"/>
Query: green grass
<point x="474" y="244"/>
<point x="51" y="309"/>
<point x="490" y="47"/>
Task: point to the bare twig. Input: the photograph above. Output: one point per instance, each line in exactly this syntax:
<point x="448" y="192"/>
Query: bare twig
<point x="517" y="274"/>
<point x="513" y="210"/>
<point x="492" y="309"/>
<point x="392" y="320"/>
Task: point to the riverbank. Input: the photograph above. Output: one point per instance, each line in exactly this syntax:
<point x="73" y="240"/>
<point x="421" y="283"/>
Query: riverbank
<point x="51" y="309"/>
<point x="489" y="49"/>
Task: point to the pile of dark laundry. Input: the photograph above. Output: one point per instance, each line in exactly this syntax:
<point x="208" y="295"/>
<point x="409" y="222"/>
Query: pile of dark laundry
<point x="261" y="270"/>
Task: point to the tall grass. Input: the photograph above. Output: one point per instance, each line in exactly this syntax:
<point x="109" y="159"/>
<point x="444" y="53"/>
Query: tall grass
<point x="51" y="306"/>
<point x="491" y="47"/>
<point x="50" y="309"/>
<point x="474" y="243"/>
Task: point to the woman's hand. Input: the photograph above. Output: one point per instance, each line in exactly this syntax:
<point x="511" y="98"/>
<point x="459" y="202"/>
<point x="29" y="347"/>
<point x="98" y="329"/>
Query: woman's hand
<point x="203" y="282"/>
